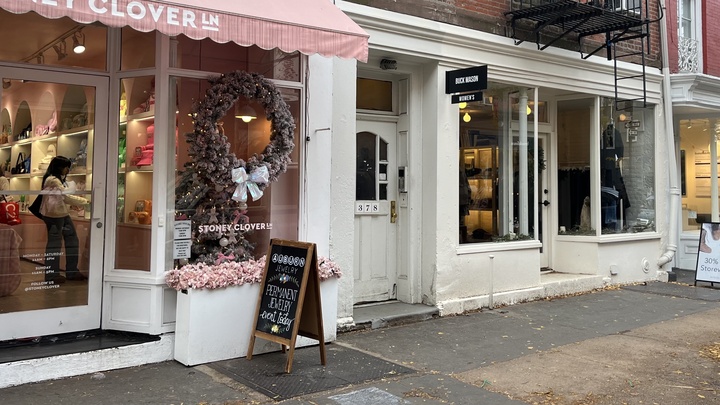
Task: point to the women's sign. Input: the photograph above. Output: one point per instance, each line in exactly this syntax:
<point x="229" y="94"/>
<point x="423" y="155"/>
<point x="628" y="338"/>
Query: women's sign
<point x="283" y="312"/>
<point x="708" y="263"/>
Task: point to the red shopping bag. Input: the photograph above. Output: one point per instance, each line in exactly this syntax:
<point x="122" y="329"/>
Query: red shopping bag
<point x="9" y="212"/>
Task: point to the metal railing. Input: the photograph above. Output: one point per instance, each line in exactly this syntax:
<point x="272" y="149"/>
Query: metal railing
<point x="688" y="57"/>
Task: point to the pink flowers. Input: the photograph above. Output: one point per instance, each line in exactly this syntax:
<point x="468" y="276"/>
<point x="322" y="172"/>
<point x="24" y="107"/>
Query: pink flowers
<point x="328" y="268"/>
<point x="205" y="276"/>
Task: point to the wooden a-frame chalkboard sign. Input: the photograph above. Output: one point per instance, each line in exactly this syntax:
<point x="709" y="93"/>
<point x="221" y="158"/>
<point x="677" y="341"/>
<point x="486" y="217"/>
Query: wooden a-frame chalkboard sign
<point x="289" y="300"/>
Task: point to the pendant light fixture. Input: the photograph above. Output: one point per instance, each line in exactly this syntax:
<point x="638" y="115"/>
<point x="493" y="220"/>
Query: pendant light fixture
<point x="245" y="113"/>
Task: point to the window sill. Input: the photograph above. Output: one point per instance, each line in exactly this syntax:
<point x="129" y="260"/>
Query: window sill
<point x="470" y="248"/>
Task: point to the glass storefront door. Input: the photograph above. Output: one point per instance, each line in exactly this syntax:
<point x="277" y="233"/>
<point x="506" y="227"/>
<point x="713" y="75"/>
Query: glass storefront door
<point x="53" y="133"/>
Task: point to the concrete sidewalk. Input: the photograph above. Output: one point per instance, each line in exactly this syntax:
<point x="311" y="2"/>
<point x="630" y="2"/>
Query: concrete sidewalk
<point x="643" y="344"/>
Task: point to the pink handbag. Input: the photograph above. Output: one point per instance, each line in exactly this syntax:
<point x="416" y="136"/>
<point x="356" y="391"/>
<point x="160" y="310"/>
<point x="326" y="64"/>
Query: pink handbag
<point x="146" y="159"/>
<point x="52" y="123"/>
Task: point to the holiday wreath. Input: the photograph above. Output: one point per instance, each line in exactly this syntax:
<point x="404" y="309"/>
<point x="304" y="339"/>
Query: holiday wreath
<point x="215" y="184"/>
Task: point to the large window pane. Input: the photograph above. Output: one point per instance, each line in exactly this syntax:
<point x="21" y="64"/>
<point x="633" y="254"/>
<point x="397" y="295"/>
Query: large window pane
<point x="279" y="205"/>
<point x="136" y="145"/>
<point x="574" y="119"/>
<point x="480" y="142"/>
<point x="45" y="263"/>
<point x="627" y="193"/>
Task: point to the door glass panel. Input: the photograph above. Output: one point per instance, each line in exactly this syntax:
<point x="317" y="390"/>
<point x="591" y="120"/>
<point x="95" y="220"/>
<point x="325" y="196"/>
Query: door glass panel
<point x="47" y="138"/>
<point x="383" y="170"/>
<point x="365" y="163"/>
<point x="135" y="173"/>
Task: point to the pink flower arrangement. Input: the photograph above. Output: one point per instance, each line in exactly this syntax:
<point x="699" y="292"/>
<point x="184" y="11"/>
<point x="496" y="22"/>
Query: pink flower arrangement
<point x="328" y="268"/>
<point x="230" y="273"/>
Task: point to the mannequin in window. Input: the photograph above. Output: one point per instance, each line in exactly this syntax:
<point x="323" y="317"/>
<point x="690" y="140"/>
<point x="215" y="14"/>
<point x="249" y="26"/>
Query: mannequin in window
<point x="611" y="153"/>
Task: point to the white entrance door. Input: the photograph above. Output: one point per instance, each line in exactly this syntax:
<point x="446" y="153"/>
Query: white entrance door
<point x="51" y="270"/>
<point x="546" y="204"/>
<point x="376" y="212"/>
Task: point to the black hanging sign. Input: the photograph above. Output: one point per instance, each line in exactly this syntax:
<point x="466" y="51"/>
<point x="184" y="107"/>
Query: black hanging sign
<point x="467" y="97"/>
<point x="289" y="302"/>
<point x="466" y="80"/>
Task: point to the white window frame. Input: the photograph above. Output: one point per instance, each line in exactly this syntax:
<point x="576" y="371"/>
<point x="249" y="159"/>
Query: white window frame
<point x="696" y="26"/>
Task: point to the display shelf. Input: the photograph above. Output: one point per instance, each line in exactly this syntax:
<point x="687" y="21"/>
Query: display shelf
<point x="137" y="169"/>
<point x="136" y="134"/>
<point x="60" y="107"/>
<point x="480" y="165"/>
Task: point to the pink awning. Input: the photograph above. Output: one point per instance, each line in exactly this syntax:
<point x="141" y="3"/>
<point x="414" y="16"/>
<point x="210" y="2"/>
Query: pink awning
<point x="308" y="26"/>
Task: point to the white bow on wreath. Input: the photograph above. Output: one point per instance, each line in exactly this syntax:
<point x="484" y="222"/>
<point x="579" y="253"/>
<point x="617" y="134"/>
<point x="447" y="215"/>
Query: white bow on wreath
<point x="249" y="182"/>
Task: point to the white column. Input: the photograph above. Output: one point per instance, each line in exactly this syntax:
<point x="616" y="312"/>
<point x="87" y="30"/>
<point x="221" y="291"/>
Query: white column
<point x="523" y="163"/>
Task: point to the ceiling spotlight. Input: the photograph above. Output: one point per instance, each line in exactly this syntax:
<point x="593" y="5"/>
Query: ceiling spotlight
<point x="6" y="83"/>
<point x="78" y="42"/>
<point x="689" y="124"/>
<point x="61" y="50"/>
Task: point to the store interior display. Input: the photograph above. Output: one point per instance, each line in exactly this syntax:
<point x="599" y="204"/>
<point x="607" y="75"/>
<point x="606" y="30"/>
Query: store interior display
<point x="39" y="121"/>
<point x="479" y="220"/>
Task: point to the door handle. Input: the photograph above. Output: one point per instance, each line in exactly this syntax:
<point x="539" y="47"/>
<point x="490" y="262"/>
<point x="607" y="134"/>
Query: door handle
<point x="98" y="221"/>
<point x="393" y="212"/>
<point x="545" y="203"/>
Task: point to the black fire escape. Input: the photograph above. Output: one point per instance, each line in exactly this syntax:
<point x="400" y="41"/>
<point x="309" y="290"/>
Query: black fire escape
<point x="618" y="20"/>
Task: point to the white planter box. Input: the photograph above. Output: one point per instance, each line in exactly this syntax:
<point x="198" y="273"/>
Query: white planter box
<point x="213" y="325"/>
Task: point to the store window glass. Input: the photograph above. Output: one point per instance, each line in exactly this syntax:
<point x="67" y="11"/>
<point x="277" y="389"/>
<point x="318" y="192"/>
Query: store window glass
<point x="627" y="168"/>
<point x="696" y="138"/>
<point x="209" y="56"/>
<point x="46" y="148"/>
<point x="274" y="215"/>
<point x="136" y="144"/>
<point x="626" y="194"/>
<point x="138" y="49"/>
<point x="36" y="40"/>
<point x="497" y="168"/>
<point x="574" y="131"/>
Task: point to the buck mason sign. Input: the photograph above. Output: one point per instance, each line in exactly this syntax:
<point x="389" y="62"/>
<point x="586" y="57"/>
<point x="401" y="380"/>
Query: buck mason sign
<point x="466" y="80"/>
<point x="139" y="10"/>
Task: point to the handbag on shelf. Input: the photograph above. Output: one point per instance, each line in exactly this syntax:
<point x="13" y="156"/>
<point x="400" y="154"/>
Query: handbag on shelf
<point x="146" y="159"/>
<point x="26" y="165"/>
<point x="19" y="164"/>
<point x="9" y="212"/>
